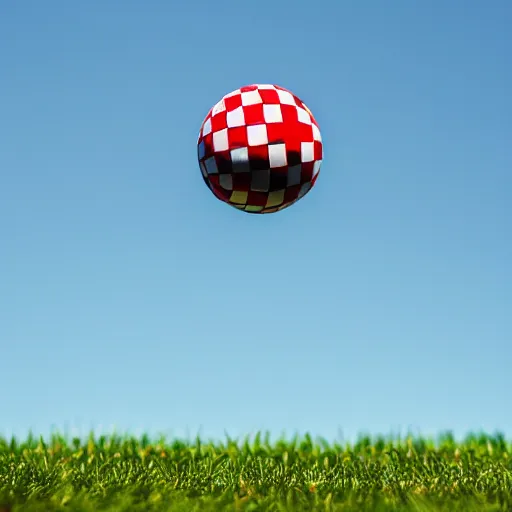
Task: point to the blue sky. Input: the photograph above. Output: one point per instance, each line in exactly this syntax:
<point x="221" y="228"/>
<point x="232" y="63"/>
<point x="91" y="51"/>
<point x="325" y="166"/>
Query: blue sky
<point x="131" y="298"/>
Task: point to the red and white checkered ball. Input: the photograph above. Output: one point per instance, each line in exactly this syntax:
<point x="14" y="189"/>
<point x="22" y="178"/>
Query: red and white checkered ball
<point x="260" y="149"/>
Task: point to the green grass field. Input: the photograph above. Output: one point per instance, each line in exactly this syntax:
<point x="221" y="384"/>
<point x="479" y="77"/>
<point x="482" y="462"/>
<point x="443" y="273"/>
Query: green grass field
<point x="127" y="474"/>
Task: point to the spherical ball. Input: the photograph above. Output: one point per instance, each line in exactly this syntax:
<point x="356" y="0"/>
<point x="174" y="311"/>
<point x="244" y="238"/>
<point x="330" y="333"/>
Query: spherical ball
<point x="260" y="149"/>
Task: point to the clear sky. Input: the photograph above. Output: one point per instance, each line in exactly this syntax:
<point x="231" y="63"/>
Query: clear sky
<point x="130" y="297"/>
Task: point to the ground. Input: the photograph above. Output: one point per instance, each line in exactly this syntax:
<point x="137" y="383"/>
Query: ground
<point x="128" y="474"/>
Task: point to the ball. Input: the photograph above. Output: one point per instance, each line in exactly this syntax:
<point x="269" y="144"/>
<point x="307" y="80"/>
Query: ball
<point x="260" y="149"/>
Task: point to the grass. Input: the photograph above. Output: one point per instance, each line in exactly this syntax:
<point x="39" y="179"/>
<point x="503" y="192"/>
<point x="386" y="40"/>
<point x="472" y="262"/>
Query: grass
<point x="127" y="474"/>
